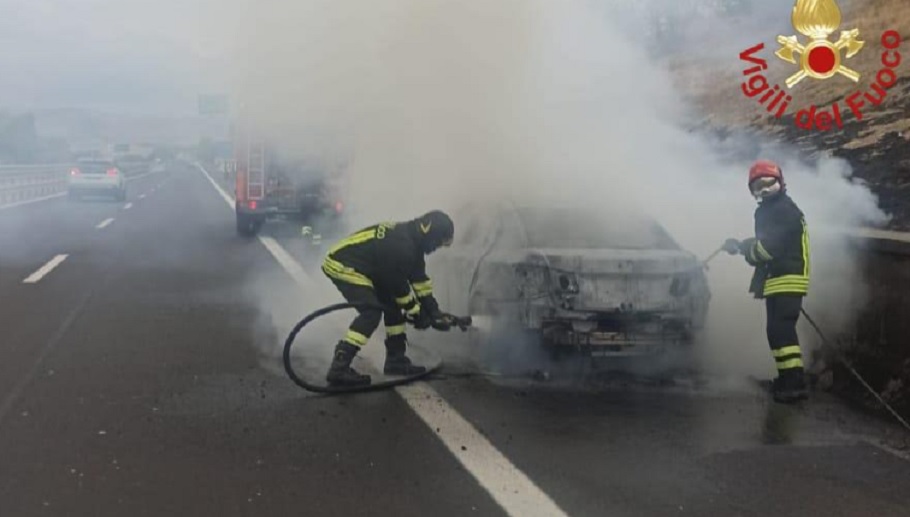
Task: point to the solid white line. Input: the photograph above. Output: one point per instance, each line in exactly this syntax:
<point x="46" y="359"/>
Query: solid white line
<point x="508" y="485"/>
<point x="132" y="178"/>
<point x="284" y="258"/>
<point x="30" y="201"/>
<point x="45" y="269"/>
<point x="224" y="195"/>
<point x="287" y="262"/>
<point x="104" y="223"/>
<point x="127" y="206"/>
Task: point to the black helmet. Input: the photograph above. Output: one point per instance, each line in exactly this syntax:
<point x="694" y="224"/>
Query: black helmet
<point x="434" y="229"/>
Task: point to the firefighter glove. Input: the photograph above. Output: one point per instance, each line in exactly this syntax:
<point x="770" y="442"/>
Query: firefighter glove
<point x="732" y="246"/>
<point x="443" y="322"/>
<point x="421" y="320"/>
<point x="745" y="247"/>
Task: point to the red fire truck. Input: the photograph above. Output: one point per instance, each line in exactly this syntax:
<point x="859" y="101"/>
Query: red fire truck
<point x="271" y="186"/>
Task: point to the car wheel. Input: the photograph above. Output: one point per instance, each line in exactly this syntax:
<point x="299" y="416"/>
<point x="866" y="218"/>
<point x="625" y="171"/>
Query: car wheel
<point x="247" y="226"/>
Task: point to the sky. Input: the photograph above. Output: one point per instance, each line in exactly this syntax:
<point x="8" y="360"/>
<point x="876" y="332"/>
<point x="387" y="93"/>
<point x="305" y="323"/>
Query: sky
<point x="156" y="56"/>
<point x="134" y="56"/>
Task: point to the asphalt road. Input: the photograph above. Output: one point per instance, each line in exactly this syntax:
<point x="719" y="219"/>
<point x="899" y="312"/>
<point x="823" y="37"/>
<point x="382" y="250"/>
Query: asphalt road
<point x="139" y="376"/>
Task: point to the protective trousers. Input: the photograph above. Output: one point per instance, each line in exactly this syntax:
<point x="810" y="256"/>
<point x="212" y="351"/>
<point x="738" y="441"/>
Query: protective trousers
<point x="363" y="326"/>
<point x="782" y="315"/>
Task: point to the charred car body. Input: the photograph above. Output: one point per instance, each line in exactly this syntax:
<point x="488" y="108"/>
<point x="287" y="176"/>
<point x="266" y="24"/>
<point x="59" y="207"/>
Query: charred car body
<point x="573" y="280"/>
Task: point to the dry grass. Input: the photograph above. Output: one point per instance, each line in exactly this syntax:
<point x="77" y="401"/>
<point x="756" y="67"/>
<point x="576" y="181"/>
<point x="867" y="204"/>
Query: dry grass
<point x="722" y="98"/>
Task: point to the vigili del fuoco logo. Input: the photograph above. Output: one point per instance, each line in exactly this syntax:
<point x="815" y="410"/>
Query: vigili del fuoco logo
<point x="817" y="57"/>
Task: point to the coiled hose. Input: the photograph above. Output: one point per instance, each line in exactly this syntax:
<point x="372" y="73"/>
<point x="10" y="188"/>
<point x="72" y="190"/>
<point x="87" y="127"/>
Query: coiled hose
<point x="288" y="368"/>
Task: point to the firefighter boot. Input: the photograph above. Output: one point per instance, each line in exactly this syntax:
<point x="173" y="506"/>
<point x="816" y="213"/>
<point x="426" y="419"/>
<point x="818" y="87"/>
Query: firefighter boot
<point x="790" y="386"/>
<point x="340" y="372"/>
<point x="396" y="362"/>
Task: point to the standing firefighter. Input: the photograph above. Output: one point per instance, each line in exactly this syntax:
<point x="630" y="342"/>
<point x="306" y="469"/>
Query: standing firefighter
<point x="779" y="253"/>
<point x="381" y="264"/>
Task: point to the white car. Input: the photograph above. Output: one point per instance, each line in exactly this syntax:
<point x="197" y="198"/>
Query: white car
<point x="572" y="280"/>
<point x="96" y="177"/>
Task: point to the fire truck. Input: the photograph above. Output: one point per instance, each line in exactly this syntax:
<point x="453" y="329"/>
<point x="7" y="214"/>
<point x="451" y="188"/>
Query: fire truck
<point x="269" y="185"/>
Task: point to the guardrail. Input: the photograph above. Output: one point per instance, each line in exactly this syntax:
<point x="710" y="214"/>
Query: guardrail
<point x="883" y="241"/>
<point x="24" y="182"/>
<point x="876" y="343"/>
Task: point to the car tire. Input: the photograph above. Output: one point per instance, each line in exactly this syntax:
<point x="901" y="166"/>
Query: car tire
<point x="247" y="226"/>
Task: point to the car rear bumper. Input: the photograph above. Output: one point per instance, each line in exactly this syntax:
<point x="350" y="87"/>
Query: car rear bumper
<point x="104" y="189"/>
<point x="95" y="186"/>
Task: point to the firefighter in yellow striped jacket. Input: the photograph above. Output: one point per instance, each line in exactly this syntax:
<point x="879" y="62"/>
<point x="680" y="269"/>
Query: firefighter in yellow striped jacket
<point x="779" y="252"/>
<point x="384" y="264"/>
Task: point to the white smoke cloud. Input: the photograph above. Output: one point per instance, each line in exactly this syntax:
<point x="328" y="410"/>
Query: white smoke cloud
<point x="430" y="103"/>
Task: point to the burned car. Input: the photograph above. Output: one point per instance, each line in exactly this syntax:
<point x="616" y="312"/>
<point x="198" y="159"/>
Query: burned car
<point x="575" y="280"/>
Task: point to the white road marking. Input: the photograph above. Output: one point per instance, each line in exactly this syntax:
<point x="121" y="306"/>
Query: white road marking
<point x="287" y="262"/>
<point x="224" y="195"/>
<point x="30" y="201"/>
<point x="127" y="206"/>
<point x="138" y="176"/>
<point x="105" y="223"/>
<point x="45" y="269"/>
<point x="508" y="485"/>
<point x="141" y="196"/>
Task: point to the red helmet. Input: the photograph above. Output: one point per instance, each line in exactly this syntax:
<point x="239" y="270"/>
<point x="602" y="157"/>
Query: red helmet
<point x="765" y="169"/>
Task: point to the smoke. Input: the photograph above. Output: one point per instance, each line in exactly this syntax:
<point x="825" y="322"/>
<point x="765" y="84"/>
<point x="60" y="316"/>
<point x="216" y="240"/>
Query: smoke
<point x="433" y="103"/>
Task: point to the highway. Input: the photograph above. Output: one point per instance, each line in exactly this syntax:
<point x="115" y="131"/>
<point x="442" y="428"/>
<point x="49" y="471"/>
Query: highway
<point x="139" y="375"/>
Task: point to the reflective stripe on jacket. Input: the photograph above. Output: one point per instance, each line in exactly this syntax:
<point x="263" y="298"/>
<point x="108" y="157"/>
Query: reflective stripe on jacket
<point x="780" y="249"/>
<point x="384" y="256"/>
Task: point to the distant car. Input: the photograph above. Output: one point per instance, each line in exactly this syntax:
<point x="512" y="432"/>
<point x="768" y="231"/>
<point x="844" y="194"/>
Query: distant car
<point x="572" y="280"/>
<point x="96" y="177"/>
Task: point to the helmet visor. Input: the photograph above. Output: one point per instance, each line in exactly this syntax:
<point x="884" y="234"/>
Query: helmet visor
<point x="764" y="186"/>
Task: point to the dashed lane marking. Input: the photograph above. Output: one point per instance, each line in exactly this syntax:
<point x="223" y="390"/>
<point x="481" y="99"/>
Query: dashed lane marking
<point x="105" y="223"/>
<point x="509" y="486"/>
<point x="127" y="206"/>
<point x="45" y="269"/>
<point x="139" y="176"/>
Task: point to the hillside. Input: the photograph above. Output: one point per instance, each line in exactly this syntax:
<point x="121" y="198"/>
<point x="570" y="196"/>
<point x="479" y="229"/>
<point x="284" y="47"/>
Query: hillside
<point x="878" y="147"/>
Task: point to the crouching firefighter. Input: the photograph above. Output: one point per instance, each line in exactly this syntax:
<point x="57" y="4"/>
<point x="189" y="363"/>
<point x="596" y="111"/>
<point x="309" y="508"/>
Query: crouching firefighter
<point x="779" y="252"/>
<point x="384" y="264"/>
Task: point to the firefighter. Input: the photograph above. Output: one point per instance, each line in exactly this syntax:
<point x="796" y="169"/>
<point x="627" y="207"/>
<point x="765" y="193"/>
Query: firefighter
<point x="384" y="264"/>
<point x="779" y="253"/>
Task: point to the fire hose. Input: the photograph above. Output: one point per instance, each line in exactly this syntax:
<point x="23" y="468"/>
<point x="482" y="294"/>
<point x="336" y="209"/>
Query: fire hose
<point x="840" y="357"/>
<point x="846" y="362"/>
<point x="461" y="322"/>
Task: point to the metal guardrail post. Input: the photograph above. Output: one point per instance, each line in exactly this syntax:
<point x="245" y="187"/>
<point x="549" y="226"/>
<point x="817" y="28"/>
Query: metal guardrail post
<point x="23" y="182"/>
